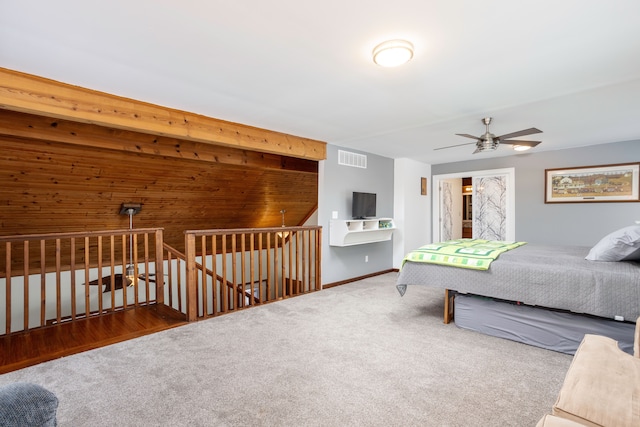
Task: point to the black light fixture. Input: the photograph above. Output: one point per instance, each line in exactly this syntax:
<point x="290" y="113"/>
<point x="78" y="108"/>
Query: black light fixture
<point x="130" y="209"/>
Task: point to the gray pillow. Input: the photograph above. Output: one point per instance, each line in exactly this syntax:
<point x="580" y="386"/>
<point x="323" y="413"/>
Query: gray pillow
<point x="24" y="404"/>
<point x="621" y="245"/>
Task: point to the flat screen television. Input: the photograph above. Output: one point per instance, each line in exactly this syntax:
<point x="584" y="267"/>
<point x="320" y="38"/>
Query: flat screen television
<point x="363" y="205"/>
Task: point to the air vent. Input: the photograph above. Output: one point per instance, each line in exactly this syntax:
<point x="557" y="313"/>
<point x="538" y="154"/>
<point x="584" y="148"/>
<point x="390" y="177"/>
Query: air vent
<point x="355" y="160"/>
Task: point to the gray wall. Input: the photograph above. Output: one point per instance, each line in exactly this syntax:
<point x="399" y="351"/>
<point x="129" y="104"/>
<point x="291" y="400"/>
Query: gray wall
<point x="566" y="223"/>
<point x="336" y="188"/>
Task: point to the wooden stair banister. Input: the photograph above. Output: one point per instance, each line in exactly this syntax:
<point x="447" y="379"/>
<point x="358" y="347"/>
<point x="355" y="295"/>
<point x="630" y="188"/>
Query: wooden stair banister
<point x="210" y="273"/>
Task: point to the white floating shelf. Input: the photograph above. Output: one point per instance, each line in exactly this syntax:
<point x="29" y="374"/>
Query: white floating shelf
<point x="360" y="231"/>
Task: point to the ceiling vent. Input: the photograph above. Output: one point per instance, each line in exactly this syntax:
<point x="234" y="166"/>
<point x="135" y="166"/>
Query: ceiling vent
<point x="347" y="158"/>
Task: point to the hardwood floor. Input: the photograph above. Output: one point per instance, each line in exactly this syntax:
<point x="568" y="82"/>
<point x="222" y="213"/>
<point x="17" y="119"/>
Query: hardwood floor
<point x="18" y="351"/>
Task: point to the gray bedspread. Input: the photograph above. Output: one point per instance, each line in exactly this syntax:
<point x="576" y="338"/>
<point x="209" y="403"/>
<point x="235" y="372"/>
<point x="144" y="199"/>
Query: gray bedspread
<point x="549" y="276"/>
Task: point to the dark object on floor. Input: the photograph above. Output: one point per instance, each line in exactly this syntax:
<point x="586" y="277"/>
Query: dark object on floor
<point x="106" y="282"/>
<point x="25" y="404"/>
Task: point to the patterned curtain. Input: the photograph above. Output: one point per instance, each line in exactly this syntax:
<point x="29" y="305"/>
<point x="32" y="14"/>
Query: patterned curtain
<point x="490" y="207"/>
<point x="446" y="207"/>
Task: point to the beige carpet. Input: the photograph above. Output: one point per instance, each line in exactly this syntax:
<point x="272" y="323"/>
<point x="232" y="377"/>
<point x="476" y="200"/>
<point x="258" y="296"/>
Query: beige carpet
<point x="353" y="355"/>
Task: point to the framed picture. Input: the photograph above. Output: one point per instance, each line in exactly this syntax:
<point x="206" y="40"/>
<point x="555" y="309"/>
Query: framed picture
<point x="606" y="183"/>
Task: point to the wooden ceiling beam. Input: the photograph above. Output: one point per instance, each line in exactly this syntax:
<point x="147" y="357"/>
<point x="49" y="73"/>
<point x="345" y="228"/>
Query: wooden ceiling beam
<point x="36" y="95"/>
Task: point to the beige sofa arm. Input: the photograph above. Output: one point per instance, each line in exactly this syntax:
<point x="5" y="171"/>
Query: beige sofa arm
<point x="602" y="386"/>
<point x="636" y="339"/>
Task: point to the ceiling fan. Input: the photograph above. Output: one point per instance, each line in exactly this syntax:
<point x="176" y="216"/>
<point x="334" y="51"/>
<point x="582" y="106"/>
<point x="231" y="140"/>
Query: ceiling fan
<point x="489" y="141"/>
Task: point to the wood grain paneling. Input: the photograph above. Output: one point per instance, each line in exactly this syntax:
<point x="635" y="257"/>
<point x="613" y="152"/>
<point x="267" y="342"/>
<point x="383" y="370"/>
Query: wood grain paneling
<point x="58" y="176"/>
<point x="36" y="95"/>
<point x="18" y="351"/>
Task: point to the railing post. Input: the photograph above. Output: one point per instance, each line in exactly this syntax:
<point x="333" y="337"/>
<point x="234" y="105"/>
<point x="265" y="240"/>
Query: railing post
<point x="319" y="260"/>
<point x="190" y="254"/>
<point x="159" y="267"/>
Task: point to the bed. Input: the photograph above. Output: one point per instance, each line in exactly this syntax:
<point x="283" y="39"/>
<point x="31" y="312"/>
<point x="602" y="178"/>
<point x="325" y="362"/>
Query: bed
<point x="526" y="286"/>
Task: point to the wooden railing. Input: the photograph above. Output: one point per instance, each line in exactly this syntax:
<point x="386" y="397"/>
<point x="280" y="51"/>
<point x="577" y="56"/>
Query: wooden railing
<point x="230" y="269"/>
<point x="53" y="278"/>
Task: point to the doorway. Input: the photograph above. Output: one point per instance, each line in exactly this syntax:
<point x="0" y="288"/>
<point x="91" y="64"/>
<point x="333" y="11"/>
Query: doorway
<point x="467" y="208"/>
<point x="492" y="205"/>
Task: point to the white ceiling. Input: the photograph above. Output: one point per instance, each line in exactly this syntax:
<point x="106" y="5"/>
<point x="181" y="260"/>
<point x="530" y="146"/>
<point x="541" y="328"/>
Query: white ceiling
<point x="568" y="67"/>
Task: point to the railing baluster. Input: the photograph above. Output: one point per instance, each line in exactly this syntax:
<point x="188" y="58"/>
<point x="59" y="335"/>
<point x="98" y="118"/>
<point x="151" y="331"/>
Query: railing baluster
<point x="260" y="249"/>
<point x="26" y="286"/>
<point x="43" y="283"/>
<point x="217" y="289"/>
<point x="8" y="288"/>
<point x="159" y="267"/>
<point x="170" y="279"/>
<point x="214" y="279"/>
<point x="291" y="263"/>
<point x="269" y="272"/>
<point x="225" y="293"/>
<point x="286" y="286"/>
<point x="252" y="298"/>
<point x="305" y="258"/>
<point x="276" y="282"/>
<point x="72" y="271"/>
<point x="234" y="272"/>
<point x="58" y="283"/>
<point x="112" y="272"/>
<point x="87" y="263"/>
<point x="147" y="294"/>
<point x="134" y="287"/>
<point x="203" y="277"/>
<point x="318" y="258"/>
<point x="125" y="299"/>
<point x="243" y="279"/>
<point x="87" y="310"/>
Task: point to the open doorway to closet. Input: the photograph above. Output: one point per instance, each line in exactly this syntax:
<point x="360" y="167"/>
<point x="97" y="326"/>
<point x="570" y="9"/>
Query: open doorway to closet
<point x="486" y="210"/>
<point x="467" y="207"/>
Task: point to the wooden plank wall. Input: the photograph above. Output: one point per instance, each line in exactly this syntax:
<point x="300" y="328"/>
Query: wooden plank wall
<point x="62" y="176"/>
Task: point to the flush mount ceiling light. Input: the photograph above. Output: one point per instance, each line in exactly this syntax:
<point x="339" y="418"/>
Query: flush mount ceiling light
<point x="393" y="53"/>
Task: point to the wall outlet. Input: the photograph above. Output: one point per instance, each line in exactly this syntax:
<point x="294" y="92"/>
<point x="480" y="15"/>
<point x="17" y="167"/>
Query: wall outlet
<point x="366" y="258"/>
<point x="334" y="214"/>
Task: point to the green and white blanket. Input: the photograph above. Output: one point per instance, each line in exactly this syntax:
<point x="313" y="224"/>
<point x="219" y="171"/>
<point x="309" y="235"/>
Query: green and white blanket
<point x="476" y="254"/>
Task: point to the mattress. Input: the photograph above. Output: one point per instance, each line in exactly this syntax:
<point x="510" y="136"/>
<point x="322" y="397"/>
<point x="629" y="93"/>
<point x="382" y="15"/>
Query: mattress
<point x="553" y="330"/>
<point x="556" y="277"/>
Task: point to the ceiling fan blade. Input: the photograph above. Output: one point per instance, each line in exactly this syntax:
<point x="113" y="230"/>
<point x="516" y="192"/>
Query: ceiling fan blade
<point x="516" y="142"/>
<point x="524" y="132"/>
<point x="466" y="135"/>
<point x="451" y="146"/>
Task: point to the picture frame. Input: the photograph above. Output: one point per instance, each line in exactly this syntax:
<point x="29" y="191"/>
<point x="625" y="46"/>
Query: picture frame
<point x="588" y="184"/>
<point x="423" y="186"/>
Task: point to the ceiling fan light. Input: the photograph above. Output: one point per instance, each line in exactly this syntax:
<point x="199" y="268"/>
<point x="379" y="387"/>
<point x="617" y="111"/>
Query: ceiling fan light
<point x="521" y="147"/>
<point x="393" y="53"/>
